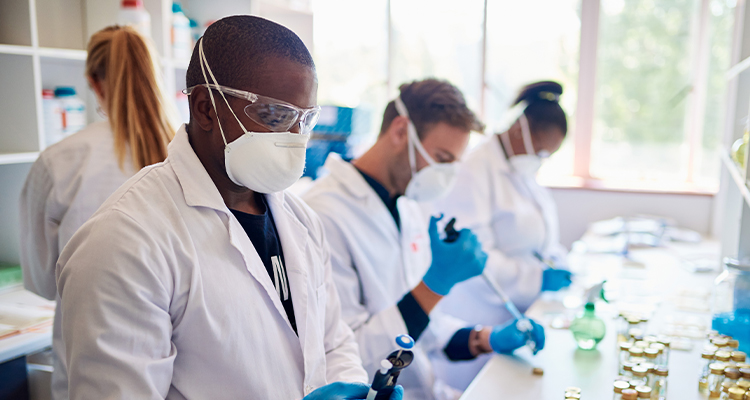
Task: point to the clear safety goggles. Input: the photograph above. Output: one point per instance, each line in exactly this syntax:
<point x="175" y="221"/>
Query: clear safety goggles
<point x="276" y="115"/>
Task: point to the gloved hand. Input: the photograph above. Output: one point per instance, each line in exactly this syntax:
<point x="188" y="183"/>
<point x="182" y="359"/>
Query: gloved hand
<point x="508" y="337"/>
<point x="555" y="279"/>
<point x="453" y="262"/>
<point x="348" y="391"/>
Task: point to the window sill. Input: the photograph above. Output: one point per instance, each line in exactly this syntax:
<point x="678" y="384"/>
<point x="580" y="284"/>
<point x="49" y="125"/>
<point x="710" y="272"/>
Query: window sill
<point x="653" y="187"/>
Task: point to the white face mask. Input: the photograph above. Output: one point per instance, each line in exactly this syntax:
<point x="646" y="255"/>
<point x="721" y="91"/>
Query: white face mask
<point x="527" y="164"/>
<point x="264" y="162"/>
<point x="433" y="181"/>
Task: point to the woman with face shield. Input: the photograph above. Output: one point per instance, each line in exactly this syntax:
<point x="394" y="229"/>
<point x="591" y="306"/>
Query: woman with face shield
<point x="71" y="179"/>
<point x="496" y="196"/>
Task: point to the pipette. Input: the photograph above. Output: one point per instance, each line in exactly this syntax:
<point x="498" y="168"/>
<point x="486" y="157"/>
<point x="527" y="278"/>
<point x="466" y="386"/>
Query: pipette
<point x="523" y="324"/>
<point x="546" y="263"/>
<point x="390" y="368"/>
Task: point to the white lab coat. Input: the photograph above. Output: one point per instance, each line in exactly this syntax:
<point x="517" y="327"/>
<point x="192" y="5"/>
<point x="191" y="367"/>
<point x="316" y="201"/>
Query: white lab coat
<point x="164" y="296"/>
<point x="66" y="185"/>
<point x="512" y="216"/>
<point x="374" y="266"/>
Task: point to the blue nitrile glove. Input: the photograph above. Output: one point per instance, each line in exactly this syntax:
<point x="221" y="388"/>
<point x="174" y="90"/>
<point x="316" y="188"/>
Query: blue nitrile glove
<point x="555" y="279"/>
<point x="348" y="391"/>
<point x="506" y="338"/>
<point x="453" y="262"/>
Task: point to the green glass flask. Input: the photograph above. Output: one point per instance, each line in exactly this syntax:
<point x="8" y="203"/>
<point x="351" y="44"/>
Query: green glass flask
<point x="588" y="329"/>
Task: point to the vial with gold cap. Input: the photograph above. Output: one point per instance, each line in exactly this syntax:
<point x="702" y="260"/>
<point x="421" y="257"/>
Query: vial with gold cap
<point x="723" y="356"/>
<point x="640" y="376"/>
<point x="660" y="359"/>
<point x="667" y="342"/>
<point x="660" y="384"/>
<point x="619" y="387"/>
<point x="715" y="379"/>
<point x="725" y="390"/>
<point x="629" y="394"/>
<point x="738" y="358"/>
<point x="624" y="355"/>
<point x="707" y="357"/>
<point x="644" y="392"/>
<point x="731" y="376"/>
<point x="744" y="375"/>
<point x="736" y="393"/>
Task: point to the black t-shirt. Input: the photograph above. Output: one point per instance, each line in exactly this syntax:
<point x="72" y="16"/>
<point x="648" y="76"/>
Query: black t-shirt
<point x="262" y="233"/>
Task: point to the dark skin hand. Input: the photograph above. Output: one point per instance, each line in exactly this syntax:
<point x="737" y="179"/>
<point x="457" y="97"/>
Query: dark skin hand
<point x="278" y="78"/>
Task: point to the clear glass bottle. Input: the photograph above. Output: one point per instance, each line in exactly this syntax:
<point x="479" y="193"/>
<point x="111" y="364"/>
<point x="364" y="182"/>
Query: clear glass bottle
<point x="624" y="356"/>
<point x="644" y="392"/>
<point x="667" y="343"/>
<point x="635" y="352"/>
<point x="723" y="357"/>
<point x="629" y="394"/>
<point x="619" y="387"/>
<point x="707" y="357"/>
<point x="715" y="379"/>
<point x="660" y="384"/>
<point x="725" y="391"/>
<point x="731" y="302"/>
<point x="733" y="345"/>
<point x="660" y="359"/>
<point x="744" y="374"/>
<point x="640" y="376"/>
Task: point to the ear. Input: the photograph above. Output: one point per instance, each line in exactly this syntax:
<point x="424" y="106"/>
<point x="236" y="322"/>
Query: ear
<point x="201" y="109"/>
<point x="398" y="131"/>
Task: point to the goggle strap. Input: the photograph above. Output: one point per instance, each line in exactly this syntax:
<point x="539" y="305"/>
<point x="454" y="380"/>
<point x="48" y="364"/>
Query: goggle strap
<point x="210" y="94"/>
<point x="221" y="92"/>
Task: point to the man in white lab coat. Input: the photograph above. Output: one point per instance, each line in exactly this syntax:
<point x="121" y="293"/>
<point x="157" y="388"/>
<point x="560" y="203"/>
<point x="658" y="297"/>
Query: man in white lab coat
<point x="391" y="270"/>
<point x="200" y="277"/>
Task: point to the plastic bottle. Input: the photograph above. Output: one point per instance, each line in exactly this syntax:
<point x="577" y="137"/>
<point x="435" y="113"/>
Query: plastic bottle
<point x="182" y="38"/>
<point x="588" y="329"/>
<point x="53" y="118"/>
<point x="133" y="13"/>
<point x="73" y="110"/>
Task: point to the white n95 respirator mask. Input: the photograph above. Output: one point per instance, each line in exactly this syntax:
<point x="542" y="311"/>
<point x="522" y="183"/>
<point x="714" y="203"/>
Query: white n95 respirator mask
<point x="264" y="162"/>
<point x="525" y="165"/>
<point x="433" y="181"/>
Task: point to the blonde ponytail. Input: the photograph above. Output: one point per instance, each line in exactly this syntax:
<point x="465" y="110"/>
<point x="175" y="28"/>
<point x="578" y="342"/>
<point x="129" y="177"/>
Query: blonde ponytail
<point x="140" y="116"/>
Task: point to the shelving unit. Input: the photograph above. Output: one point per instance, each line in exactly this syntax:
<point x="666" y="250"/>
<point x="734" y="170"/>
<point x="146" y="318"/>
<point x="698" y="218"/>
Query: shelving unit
<point x="42" y="45"/>
<point x="733" y="200"/>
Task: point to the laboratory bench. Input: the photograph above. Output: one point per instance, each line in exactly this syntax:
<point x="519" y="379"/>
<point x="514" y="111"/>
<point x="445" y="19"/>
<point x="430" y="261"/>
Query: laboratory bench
<point x="25" y="336"/>
<point x="659" y="281"/>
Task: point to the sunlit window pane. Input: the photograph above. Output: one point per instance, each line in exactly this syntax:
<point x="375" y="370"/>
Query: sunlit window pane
<point x="706" y="165"/>
<point x="529" y="41"/>
<point x="438" y="38"/>
<point x="643" y="84"/>
<point x="351" y="54"/>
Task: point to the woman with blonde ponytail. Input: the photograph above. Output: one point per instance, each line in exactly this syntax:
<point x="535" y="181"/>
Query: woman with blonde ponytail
<point x="71" y="179"/>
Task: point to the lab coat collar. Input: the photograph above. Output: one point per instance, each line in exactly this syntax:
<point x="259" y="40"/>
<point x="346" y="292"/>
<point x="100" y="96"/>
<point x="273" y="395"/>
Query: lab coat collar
<point x="197" y="186"/>
<point x="347" y="174"/>
<point x="200" y="191"/>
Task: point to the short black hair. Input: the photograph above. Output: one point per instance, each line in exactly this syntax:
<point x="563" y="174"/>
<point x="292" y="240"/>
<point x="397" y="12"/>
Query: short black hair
<point x="237" y="46"/>
<point x="542" y="106"/>
<point x="429" y="102"/>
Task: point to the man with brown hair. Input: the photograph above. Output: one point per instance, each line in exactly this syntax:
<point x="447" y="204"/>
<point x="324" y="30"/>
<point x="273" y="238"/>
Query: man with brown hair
<point x="391" y="267"/>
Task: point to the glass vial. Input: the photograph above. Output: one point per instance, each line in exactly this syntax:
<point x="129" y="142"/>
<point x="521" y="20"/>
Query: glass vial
<point x="624" y="356"/>
<point x="640" y="376"/>
<point x="660" y="384"/>
<point x="707" y="357"/>
<point x="644" y="392"/>
<point x="629" y="394"/>
<point x="715" y="379"/>
<point x="619" y="387"/>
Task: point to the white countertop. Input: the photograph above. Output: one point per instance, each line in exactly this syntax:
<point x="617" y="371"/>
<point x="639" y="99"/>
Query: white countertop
<point x="594" y="371"/>
<point x="27" y="342"/>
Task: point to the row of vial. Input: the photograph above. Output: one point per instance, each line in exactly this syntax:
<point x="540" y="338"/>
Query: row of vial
<point x="724" y="372"/>
<point x="643" y="367"/>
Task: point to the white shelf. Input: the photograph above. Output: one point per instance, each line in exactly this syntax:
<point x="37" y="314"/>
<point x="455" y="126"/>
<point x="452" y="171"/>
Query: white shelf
<point x="63" y="54"/>
<point x="736" y="174"/>
<point x="14" y="49"/>
<point x="18" y="158"/>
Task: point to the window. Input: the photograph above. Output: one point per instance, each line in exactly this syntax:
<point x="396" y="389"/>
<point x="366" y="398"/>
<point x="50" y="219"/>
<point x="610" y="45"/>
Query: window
<point x="649" y="109"/>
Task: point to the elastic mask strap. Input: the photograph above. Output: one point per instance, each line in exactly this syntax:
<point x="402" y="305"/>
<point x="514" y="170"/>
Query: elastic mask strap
<point x="203" y="60"/>
<point x="526" y="134"/>
<point x="414" y="141"/>
<point x="505" y="138"/>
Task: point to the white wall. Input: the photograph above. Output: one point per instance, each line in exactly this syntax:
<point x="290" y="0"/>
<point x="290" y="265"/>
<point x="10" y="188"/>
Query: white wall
<point x="580" y="207"/>
<point x="12" y="178"/>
